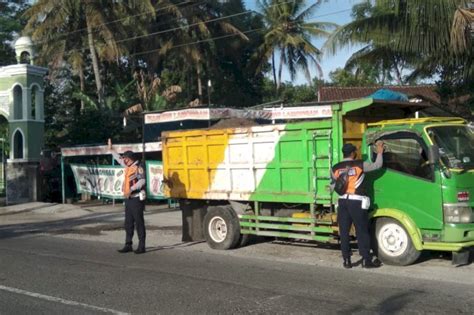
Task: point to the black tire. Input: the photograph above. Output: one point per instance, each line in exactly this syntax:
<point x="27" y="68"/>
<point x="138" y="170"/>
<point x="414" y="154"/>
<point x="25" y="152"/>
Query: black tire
<point x="221" y="228"/>
<point x="393" y="244"/>
<point x="244" y="240"/>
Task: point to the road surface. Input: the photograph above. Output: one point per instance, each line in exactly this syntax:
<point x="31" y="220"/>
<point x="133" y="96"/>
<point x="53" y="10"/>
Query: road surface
<point x="42" y="274"/>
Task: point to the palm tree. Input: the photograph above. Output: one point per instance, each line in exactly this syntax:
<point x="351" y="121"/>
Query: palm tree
<point x="58" y="27"/>
<point x="289" y="32"/>
<point x="194" y="26"/>
<point x="421" y="33"/>
<point x="462" y="29"/>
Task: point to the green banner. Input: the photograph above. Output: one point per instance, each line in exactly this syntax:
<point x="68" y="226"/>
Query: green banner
<point x="154" y="179"/>
<point x="106" y="180"/>
<point x="99" y="180"/>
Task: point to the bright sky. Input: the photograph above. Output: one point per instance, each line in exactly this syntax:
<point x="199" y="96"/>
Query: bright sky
<point x="335" y="11"/>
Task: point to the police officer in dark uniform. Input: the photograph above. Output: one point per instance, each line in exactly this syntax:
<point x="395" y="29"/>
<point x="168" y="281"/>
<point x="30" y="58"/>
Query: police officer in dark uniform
<point x="134" y="198"/>
<point x="353" y="205"/>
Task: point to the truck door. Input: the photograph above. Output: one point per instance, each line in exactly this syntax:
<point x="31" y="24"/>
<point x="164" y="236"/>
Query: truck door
<point x="407" y="181"/>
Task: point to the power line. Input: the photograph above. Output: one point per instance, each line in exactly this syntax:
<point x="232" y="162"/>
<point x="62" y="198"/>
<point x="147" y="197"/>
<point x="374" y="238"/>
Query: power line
<point x="206" y="22"/>
<point x="221" y="18"/>
<point x="331" y="13"/>
<point x="228" y="35"/>
<point x="181" y="27"/>
<point x="166" y="30"/>
<point x="213" y="20"/>
<point x="199" y="41"/>
<point x="119" y="20"/>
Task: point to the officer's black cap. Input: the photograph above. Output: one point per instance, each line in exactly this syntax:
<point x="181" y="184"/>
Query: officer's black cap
<point x="128" y="154"/>
<point x="348" y="148"/>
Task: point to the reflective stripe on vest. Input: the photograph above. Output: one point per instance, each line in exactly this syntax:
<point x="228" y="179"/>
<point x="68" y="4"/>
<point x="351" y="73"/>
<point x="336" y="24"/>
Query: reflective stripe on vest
<point x="356" y="175"/>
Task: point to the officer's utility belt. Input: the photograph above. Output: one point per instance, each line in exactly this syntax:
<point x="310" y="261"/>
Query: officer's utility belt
<point x="135" y="195"/>
<point x="141" y="194"/>
<point x="352" y="197"/>
<point x="364" y="199"/>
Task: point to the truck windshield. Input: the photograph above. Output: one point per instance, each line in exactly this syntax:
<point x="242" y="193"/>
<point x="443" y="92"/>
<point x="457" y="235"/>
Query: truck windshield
<point x="456" y="145"/>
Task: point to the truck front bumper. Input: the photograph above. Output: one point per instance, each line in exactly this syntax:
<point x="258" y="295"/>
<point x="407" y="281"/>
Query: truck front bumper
<point x="449" y="247"/>
<point x="455" y="237"/>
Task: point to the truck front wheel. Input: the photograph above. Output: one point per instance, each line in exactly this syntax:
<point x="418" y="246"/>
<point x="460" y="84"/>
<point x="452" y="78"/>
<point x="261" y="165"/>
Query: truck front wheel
<point x="221" y="228"/>
<point x="394" y="245"/>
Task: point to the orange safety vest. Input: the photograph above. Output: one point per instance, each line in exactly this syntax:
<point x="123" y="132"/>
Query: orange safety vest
<point x="130" y="178"/>
<point x="356" y="176"/>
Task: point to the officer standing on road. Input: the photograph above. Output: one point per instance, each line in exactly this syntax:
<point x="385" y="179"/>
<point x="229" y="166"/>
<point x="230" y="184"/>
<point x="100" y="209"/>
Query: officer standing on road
<point x="134" y="198"/>
<point x="353" y="205"/>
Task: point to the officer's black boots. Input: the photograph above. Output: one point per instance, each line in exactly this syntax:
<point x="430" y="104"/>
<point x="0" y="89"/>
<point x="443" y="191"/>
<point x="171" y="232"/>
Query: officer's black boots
<point x="347" y="263"/>
<point x="125" y="249"/>
<point x="140" y="250"/>
<point x="369" y="264"/>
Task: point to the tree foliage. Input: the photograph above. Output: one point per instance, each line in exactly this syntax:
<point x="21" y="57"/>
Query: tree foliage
<point x="421" y="38"/>
<point x="11" y="24"/>
<point x="288" y="33"/>
<point x="344" y="77"/>
<point x="110" y="59"/>
<point x="66" y="29"/>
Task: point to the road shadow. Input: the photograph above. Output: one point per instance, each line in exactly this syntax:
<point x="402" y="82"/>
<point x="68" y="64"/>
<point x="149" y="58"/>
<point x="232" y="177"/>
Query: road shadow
<point x="445" y="256"/>
<point x="56" y="226"/>
<point x="336" y="247"/>
<point x="177" y="245"/>
<point x="391" y="305"/>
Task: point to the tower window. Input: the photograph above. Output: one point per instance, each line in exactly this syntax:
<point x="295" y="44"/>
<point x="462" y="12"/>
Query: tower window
<point x="18" y="145"/>
<point x="17" y="103"/>
<point x="25" y="58"/>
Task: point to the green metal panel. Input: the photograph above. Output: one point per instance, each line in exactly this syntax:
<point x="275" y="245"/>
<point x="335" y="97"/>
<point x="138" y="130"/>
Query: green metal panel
<point x="456" y="183"/>
<point x="287" y="227"/>
<point x="284" y="219"/>
<point x="289" y="177"/>
<point x="419" y="199"/>
<point x="318" y="238"/>
<point x="458" y="233"/>
<point x="405" y="220"/>
<point x="308" y="228"/>
<point x="357" y="104"/>
<point x="301" y="169"/>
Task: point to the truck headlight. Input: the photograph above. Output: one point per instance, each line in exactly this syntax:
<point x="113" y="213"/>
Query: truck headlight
<point x="457" y="213"/>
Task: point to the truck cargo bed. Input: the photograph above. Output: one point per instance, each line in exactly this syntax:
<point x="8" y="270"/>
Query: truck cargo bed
<point x="272" y="163"/>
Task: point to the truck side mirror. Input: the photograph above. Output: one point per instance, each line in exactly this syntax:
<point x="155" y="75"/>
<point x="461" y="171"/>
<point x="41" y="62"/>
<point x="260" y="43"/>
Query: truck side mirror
<point x="433" y="154"/>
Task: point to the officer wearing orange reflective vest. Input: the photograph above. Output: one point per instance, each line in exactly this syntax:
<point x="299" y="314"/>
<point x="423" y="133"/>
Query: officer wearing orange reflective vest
<point x="353" y="205"/>
<point x="134" y="193"/>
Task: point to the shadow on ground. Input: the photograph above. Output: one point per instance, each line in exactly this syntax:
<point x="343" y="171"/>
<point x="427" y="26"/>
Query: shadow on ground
<point x="56" y="226"/>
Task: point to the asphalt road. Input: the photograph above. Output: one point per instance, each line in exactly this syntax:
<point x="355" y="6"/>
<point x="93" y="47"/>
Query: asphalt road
<point x="50" y="275"/>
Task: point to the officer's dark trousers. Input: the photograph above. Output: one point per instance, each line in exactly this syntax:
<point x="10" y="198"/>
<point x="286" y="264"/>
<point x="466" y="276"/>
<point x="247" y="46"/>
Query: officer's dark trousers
<point x="349" y="212"/>
<point x="134" y="208"/>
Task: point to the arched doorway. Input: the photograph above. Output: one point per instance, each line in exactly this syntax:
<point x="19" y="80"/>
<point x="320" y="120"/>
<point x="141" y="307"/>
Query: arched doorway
<point x="4" y="147"/>
<point x="18" y="141"/>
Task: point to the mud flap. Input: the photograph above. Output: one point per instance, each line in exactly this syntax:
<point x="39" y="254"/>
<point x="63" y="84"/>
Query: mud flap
<point x="461" y="257"/>
<point x="193" y="213"/>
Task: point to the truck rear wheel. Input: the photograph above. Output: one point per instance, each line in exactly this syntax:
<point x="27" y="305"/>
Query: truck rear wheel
<point x="221" y="228"/>
<point x="394" y="245"/>
<point x="244" y="240"/>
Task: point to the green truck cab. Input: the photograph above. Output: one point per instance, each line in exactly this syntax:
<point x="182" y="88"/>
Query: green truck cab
<point x="422" y="197"/>
<point x="273" y="180"/>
